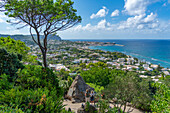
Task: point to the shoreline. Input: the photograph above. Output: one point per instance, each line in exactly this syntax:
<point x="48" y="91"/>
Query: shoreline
<point x="135" y="56"/>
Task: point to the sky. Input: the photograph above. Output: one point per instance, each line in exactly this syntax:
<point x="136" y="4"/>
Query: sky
<point x="113" y="19"/>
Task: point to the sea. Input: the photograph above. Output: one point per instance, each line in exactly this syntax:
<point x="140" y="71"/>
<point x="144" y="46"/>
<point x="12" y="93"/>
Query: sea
<point x="149" y="50"/>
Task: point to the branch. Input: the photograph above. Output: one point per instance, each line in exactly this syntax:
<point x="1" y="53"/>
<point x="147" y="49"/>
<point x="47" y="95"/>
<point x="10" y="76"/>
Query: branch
<point x="33" y="36"/>
<point x="22" y="26"/>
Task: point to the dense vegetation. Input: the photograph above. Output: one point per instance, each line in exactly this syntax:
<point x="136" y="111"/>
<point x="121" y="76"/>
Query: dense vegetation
<point x="123" y="87"/>
<point x="29" y="88"/>
<point x="33" y="88"/>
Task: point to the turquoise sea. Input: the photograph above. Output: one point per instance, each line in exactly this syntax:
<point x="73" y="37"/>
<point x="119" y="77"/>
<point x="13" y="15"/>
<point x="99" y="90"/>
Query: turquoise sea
<point x="154" y="51"/>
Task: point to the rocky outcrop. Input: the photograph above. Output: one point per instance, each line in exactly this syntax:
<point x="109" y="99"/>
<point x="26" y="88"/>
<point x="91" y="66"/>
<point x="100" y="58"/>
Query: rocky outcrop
<point x="77" y="90"/>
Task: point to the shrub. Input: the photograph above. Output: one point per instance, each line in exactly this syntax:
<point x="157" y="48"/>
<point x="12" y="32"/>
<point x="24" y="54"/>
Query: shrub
<point x="10" y="109"/>
<point x="36" y="89"/>
<point x="4" y="83"/>
<point x="16" y="46"/>
<point x="161" y="101"/>
<point x="33" y="77"/>
<point x="39" y="100"/>
<point x="97" y="88"/>
<point x="9" y="63"/>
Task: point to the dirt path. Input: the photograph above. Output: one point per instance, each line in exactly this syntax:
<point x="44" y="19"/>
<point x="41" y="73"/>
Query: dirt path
<point x="74" y="107"/>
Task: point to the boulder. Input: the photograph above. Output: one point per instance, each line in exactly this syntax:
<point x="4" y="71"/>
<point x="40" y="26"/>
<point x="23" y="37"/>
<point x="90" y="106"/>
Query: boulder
<point x="90" y="109"/>
<point x="77" y="89"/>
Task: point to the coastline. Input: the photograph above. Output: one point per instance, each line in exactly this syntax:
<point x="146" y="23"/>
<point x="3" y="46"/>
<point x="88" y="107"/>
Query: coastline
<point x="140" y="57"/>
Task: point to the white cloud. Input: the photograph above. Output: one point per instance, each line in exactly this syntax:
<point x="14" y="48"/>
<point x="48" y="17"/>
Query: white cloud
<point x="139" y="19"/>
<point x="115" y="13"/>
<point x="131" y="22"/>
<point x="101" y="13"/>
<point x="140" y="22"/>
<point x="150" y="18"/>
<point x="140" y="26"/>
<point x="102" y="25"/>
<point x="135" y="7"/>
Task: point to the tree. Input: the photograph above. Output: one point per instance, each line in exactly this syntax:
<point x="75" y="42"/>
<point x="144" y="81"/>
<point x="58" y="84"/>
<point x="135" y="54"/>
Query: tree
<point x="98" y="74"/>
<point x="124" y="89"/>
<point x="161" y="101"/>
<point x="43" y="16"/>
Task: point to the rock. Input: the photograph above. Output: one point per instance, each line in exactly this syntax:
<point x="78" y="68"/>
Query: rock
<point x="80" y="110"/>
<point x="77" y="90"/>
<point x="91" y="109"/>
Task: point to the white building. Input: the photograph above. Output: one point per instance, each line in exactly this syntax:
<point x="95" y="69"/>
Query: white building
<point x="166" y="72"/>
<point x="121" y="60"/>
<point x="130" y="59"/>
<point x="58" y="67"/>
<point x="143" y="76"/>
<point x="149" y="69"/>
<point x="154" y="66"/>
<point x="145" y="66"/>
<point x="76" y="61"/>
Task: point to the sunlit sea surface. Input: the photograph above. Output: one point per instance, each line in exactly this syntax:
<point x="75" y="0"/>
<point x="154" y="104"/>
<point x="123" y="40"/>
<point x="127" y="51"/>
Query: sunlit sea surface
<point x="154" y="51"/>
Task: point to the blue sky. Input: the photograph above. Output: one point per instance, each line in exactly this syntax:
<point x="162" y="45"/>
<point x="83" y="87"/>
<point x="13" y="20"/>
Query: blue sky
<point x="114" y="19"/>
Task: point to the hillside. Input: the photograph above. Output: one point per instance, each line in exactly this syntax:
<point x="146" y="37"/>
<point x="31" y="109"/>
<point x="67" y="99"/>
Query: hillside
<point x="28" y="39"/>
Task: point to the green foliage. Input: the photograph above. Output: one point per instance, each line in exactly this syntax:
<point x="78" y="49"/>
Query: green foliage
<point x="8" y="109"/>
<point x="39" y="100"/>
<point x="98" y="74"/>
<point x="18" y="47"/>
<point x="33" y="77"/>
<point x="97" y="88"/>
<point x="124" y="89"/>
<point x="103" y="105"/>
<point x="57" y="10"/>
<point x="161" y="101"/>
<point x="144" y="96"/>
<point x="44" y="17"/>
<point x="87" y="104"/>
<point x="167" y="80"/>
<point x="4" y="82"/>
<point x="15" y="46"/>
<point x="89" y="108"/>
<point x="36" y="89"/>
<point x="129" y="89"/>
<point x="9" y="63"/>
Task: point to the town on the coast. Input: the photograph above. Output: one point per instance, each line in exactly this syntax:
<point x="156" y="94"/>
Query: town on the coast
<point x="69" y="55"/>
<point x="85" y="80"/>
<point x="40" y="72"/>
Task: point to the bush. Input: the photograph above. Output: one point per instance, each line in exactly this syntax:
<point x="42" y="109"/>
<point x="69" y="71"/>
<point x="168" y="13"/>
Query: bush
<point x="4" y="83"/>
<point x="15" y="46"/>
<point x="40" y="100"/>
<point x="8" y="109"/>
<point x="97" y="88"/>
<point x="36" y="89"/>
<point x="33" y="77"/>
<point x="161" y="101"/>
<point x="9" y="63"/>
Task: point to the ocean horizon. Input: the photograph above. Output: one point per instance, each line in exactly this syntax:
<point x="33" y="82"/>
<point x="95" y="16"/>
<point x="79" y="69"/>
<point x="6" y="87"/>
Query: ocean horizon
<point x="155" y="51"/>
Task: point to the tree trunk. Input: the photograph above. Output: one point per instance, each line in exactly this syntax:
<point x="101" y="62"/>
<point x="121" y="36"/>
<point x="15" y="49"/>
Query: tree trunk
<point x="124" y="108"/>
<point x="44" y="58"/>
